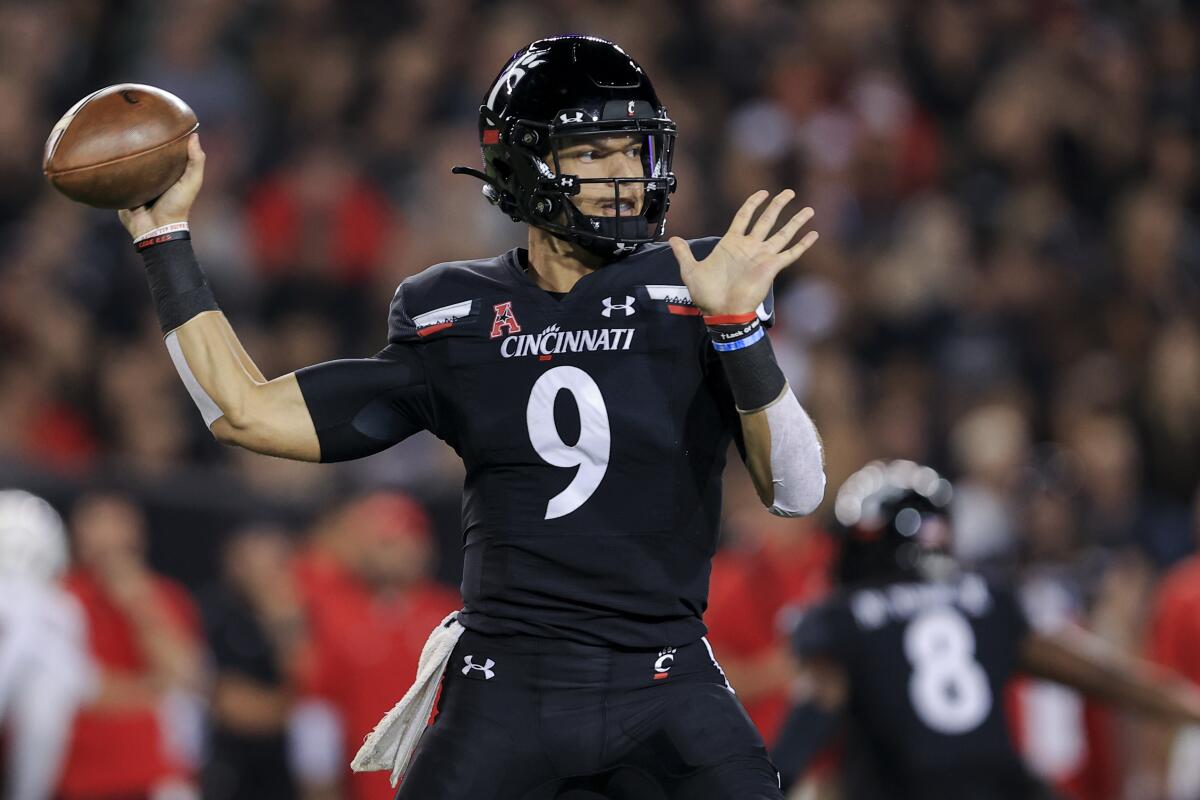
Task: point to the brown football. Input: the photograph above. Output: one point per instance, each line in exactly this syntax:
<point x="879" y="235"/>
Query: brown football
<point x="119" y="147"/>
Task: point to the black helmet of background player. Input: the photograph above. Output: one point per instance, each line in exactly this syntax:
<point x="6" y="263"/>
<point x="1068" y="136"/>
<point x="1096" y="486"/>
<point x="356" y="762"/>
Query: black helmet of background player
<point x="895" y="519"/>
<point x="552" y="92"/>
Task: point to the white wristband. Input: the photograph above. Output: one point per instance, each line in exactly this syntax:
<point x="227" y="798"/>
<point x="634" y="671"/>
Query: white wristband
<point x="172" y="228"/>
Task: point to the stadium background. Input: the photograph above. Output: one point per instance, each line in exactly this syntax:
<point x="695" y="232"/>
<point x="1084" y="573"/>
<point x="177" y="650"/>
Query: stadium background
<point x="1005" y="287"/>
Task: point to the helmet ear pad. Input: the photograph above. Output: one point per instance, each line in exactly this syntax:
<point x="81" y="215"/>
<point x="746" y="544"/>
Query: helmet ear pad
<point x="545" y="205"/>
<point x="501" y="193"/>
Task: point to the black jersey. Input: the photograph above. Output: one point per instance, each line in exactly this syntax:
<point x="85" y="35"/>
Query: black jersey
<point x="593" y="427"/>
<point x="927" y="665"/>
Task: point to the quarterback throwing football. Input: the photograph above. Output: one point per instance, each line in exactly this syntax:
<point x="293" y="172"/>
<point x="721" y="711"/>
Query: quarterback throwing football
<point x="592" y="384"/>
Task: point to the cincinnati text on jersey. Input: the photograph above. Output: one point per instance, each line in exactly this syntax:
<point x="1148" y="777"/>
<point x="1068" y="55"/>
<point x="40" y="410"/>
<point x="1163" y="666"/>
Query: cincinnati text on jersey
<point x="552" y="341"/>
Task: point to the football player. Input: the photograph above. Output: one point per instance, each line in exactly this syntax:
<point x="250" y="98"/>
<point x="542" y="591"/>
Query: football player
<point x="910" y="657"/>
<point x="591" y="383"/>
<point x="45" y="671"/>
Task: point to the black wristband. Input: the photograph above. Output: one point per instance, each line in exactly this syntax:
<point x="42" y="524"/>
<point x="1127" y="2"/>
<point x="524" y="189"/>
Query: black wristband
<point x="735" y="336"/>
<point x="177" y="283"/>
<point x="753" y="374"/>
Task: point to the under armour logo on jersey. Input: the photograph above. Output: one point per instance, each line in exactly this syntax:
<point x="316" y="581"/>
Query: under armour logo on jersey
<point x="610" y="306"/>
<point x="485" y="667"/>
<point x="662" y="665"/>
<point x="505" y="321"/>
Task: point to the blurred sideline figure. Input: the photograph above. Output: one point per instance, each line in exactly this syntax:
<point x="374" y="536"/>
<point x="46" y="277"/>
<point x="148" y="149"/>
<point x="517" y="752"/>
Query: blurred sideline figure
<point x="370" y="600"/>
<point x="144" y="633"/>
<point x="45" y="673"/>
<point x="774" y="567"/>
<point x="1170" y="765"/>
<point x="257" y="632"/>
<point x="911" y="657"/>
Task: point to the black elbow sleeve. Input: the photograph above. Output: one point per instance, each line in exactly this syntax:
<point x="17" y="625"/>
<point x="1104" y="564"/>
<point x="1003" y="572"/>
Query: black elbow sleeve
<point x="362" y="406"/>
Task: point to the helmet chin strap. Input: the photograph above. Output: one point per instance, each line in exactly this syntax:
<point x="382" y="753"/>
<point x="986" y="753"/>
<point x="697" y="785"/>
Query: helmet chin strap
<point x="595" y="246"/>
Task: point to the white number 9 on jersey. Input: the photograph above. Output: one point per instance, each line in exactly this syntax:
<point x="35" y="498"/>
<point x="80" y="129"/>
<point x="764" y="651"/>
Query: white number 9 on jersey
<point x="949" y="689"/>
<point x="590" y="453"/>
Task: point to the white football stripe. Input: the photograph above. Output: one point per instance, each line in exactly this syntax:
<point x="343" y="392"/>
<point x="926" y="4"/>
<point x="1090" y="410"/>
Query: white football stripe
<point x="672" y="294"/>
<point x="680" y="294"/>
<point x="444" y="314"/>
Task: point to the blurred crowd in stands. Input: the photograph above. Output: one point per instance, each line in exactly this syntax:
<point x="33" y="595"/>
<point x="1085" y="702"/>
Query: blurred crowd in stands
<point x="1006" y="288"/>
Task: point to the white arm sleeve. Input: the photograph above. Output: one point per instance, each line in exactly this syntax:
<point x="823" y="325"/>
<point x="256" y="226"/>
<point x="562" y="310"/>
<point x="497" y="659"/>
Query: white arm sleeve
<point x="797" y="463"/>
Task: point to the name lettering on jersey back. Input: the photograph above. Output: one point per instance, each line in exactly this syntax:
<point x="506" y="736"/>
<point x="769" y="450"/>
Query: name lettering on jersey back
<point x="553" y="340"/>
<point x="874" y="608"/>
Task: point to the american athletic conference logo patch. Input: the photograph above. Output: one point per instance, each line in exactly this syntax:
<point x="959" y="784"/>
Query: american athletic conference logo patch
<point x="505" y="321"/>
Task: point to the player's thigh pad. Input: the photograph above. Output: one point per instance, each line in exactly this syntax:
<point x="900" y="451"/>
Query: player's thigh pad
<point x="713" y="750"/>
<point x="458" y="761"/>
<point x="484" y="742"/>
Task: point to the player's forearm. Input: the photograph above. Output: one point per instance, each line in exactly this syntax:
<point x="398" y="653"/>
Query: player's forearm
<point x="1091" y="665"/>
<point x="246" y="706"/>
<point x="783" y="448"/>
<point x="236" y="401"/>
<point x="758" y="676"/>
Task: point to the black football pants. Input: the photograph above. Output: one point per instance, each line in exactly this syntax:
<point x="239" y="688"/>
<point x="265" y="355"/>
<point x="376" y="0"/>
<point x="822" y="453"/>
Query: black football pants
<point x="522" y="718"/>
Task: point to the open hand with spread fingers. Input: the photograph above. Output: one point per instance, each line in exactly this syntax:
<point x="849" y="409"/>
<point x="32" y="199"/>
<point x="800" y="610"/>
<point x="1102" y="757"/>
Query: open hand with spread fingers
<point x="739" y="271"/>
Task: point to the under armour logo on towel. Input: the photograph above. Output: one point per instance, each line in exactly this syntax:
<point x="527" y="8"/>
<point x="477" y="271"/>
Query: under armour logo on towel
<point x="610" y="306"/>
<point x="485" y="667"/>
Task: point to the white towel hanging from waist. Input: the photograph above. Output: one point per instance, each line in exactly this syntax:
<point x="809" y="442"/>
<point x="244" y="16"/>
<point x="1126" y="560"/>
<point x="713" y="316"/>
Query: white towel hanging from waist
<point x="391" y="744"/>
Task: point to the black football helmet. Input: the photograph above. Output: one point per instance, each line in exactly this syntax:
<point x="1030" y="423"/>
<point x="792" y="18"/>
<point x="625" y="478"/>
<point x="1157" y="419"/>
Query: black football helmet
<point x="895" y="520"/>
<point x="549" y="93"/>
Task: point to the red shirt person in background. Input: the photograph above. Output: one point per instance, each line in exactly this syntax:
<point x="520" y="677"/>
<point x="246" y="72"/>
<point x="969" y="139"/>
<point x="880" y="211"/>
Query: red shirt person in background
<point x="371" y="606"/>
<point x="317" y="214"/>
<point x="143" y="632"/>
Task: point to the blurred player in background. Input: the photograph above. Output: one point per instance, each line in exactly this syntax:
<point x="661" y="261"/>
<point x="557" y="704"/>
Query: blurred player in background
<point x="911" y="657"/>
<point x="774" y="567"/>
<point x="45" y="672"/>
<point x="141" y="735"/>
<point x="592" y="384"/>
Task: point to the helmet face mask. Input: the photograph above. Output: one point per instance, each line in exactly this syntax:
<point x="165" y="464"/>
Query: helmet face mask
<point x="552" y="96"/>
